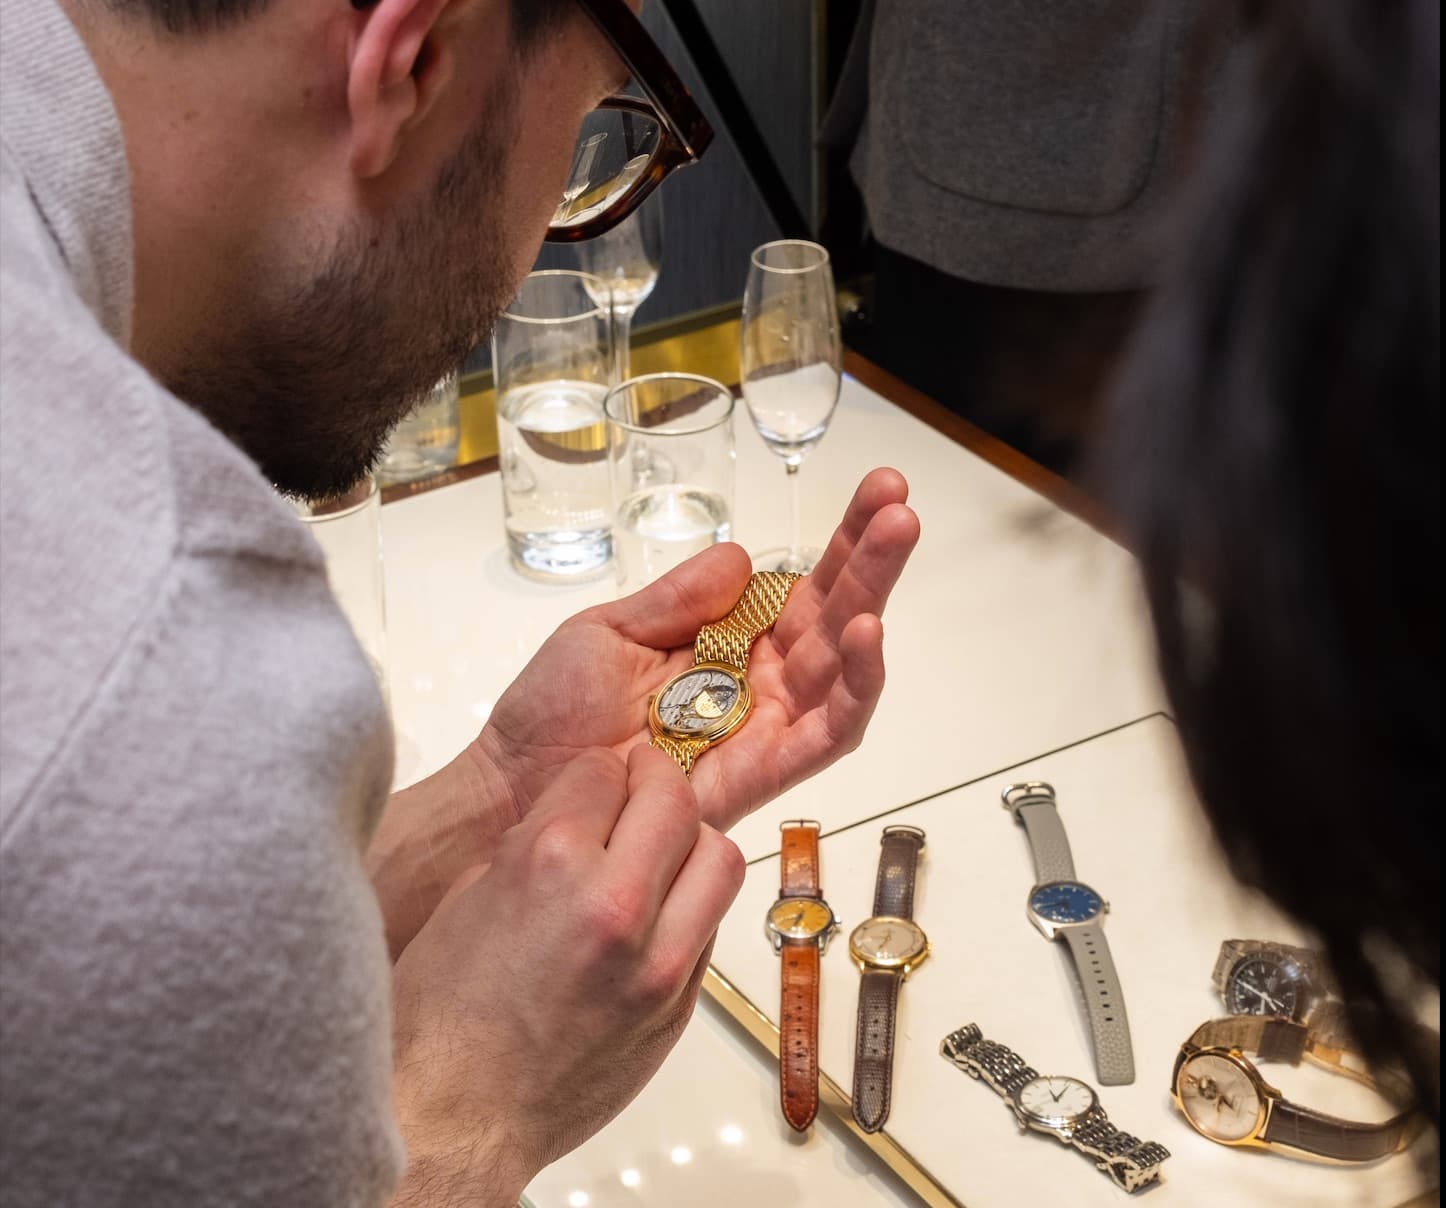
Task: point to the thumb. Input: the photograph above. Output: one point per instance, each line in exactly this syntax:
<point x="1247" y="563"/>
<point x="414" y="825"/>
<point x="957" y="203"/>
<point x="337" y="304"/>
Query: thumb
<point x="669" y="612"/>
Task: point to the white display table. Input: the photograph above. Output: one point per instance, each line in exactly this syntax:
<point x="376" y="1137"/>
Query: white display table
<point x="1015" y="632"/>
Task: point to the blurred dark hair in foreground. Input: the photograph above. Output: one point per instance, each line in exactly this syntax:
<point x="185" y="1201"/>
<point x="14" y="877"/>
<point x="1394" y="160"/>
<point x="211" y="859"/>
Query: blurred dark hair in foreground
<point x="1274" y="456"/>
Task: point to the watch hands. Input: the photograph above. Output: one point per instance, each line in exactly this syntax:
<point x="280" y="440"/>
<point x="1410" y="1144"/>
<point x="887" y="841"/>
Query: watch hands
<point x="1052" y="1095"/>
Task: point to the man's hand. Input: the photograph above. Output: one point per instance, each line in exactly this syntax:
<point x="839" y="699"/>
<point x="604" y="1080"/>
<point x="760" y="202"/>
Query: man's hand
<point x="816" y="677"/>
<point x="547" y="988"/>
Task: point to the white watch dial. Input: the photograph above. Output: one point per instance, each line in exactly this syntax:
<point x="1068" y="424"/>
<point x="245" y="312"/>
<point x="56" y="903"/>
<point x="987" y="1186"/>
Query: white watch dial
<point x="1056" y="1100"/>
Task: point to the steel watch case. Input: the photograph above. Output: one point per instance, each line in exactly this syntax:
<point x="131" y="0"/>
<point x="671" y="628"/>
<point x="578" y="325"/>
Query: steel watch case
<point x="1051" y="928"/>
<point x="822" y="935"/>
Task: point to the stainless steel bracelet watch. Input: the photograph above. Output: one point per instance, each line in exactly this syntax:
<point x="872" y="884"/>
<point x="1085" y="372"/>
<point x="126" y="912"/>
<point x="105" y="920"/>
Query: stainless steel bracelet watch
<point x="1065" y="1108"/>
<point x="1262" y="977"/>
<point x="1061" y="907"/>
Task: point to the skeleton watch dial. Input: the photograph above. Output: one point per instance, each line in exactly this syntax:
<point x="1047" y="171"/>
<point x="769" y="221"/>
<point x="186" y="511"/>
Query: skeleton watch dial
<point x="706" y="701"/>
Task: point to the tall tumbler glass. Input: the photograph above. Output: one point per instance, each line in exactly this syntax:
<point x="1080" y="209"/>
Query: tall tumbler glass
<point x="348" y="528"/>
<point x="671" y="457"/>
<point x="552" y="357"/>
<point x="426" y="440"/>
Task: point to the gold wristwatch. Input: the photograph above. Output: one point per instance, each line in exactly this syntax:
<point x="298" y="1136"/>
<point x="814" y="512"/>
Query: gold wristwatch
<point x="1225" y="1098"/>
<point x="712" y="699"/>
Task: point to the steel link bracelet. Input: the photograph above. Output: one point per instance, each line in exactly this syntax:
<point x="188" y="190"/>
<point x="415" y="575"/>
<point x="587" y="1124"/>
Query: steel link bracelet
<point x="1130" y="1162"/>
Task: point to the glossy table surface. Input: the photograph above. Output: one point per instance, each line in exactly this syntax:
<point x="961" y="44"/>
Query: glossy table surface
<point x="1016" y="635"/>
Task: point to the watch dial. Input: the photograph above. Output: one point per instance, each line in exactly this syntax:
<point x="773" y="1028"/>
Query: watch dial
<point x="1264" y="985"/>
<point x="1218" y="1098"/>
<point x="1066" y="902"/>
<point x="887" y="941"/>
<point x="800" y="918"/>
<point x="698" y="701"/>
<point x="1056" y="1100"/>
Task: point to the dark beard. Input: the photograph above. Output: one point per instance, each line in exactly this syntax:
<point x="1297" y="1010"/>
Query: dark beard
<point x="311" y="385"/>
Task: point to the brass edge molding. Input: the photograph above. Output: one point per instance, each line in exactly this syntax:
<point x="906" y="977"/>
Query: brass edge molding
<point x="831" y="1095"/>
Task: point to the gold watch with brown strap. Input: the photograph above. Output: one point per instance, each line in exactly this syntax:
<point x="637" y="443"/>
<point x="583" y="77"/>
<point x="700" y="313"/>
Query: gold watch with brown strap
<point x="800" y="924"/>
<point x="711" y="700"/>
<point x="886" y="947"/>
<point x="1225" y="1098"/>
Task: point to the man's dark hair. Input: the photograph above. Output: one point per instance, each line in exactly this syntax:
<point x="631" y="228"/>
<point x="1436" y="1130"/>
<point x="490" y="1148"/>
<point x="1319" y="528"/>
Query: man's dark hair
<point x="530" y="18"/>
<point x="1275" y="457"/>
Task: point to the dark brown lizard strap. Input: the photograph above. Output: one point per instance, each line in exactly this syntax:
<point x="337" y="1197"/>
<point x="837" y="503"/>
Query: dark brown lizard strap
<point x="1331" y="1137"/>
<point x="894" y="889"/>
<point x="874" y="1047"/>
<point x="798" y="1033"/>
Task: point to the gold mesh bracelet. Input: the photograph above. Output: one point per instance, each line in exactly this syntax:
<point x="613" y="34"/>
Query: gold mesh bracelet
<point x="730" y="640"/>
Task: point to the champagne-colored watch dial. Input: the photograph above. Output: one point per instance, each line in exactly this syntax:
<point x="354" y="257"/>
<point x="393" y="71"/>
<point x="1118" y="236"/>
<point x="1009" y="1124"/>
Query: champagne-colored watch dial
<point x="1219" y="1098"/>
<point x="887" y="941"/>
<point x="1056" y="1100"/>
<point x="800" y="918"/>
<point x="704" y="702"/>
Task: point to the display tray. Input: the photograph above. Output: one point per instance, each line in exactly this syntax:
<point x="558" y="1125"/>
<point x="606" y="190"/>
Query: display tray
<point x="1138" y="836"/>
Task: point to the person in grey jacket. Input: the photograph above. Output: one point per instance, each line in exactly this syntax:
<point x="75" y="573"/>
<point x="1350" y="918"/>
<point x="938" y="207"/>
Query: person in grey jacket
<point x="235" y="238"/>
<point x="1014" y="162"/>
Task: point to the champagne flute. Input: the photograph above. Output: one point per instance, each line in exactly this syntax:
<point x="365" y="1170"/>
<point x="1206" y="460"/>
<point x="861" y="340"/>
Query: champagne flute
<point x="627" y="258"/>
<point x="791" y="359"/>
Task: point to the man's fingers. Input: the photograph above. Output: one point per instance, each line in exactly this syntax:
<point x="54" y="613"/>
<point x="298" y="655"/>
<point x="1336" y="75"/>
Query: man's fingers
<point x="657" y="829"/>
<point x="669" y="612"/>
<point x="586" y="797"/>
<point x="862" y="584"/>
<point x="699" y="897"/>
<point x="878" y="489"/>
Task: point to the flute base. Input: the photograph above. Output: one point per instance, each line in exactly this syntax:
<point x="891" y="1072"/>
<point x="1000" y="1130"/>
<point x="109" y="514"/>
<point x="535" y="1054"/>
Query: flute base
<point x="799" y="561"/>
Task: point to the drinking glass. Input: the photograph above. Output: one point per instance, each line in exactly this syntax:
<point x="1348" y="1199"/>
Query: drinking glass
<point x="627" y="258"/>
<point x="425" y="442"/>
<point x="791" y="359"/>
<point x="552" y="357"/>
<point x="671" y="457"/>
<point x="348" y="528"/>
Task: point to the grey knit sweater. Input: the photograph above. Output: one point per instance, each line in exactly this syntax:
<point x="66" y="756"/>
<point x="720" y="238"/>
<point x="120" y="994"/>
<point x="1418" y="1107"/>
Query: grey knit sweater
<point x="194" y="1002"/>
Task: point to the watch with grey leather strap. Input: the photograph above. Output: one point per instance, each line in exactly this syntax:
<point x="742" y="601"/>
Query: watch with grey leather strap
<point x="1065" y="1108"/>
<point x="1061" y="907"/>
<point x="886" y="947"/>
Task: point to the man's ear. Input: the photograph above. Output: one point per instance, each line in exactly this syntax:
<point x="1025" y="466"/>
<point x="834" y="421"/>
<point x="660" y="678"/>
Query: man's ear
<point x="398" y="68"/>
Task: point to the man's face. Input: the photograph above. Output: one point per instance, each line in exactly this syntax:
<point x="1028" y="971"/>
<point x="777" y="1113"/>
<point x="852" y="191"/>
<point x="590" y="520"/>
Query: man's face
<point x="310" y="379"/>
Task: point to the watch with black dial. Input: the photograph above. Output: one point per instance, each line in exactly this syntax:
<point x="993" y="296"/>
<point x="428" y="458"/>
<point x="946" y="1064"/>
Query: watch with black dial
<point x="1061" y="907"/>
<point x="712" y="699"/>
<point x="1065" y="1108"/>
<point x="1260" y="977"/>
<point x="799" y="924"/>
<point x="887" y="948"/>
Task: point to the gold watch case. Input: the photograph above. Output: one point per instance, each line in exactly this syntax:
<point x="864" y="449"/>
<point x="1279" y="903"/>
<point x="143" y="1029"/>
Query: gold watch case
<point x="1210" y="1076"/>
<point x="707" y="702"/>
<point x="888" y="942"/>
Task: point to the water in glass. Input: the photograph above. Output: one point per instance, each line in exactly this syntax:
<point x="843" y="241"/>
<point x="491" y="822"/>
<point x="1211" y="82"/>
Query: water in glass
<point x="552" y="443"/>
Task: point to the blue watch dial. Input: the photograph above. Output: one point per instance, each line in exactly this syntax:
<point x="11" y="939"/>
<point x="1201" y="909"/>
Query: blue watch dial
<point x="1065" y="902"/>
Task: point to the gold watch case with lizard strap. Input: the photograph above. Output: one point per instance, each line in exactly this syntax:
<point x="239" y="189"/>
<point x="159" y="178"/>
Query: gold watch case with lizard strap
<point x="712" y="699"/>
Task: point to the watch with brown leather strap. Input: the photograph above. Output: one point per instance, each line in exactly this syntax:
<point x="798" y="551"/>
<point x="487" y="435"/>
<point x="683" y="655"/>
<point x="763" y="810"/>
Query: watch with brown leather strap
<point x="800" y="925"/>
<point x="887" y="948"/>
<point x="712" y="699"/>
<point x="1225" y="1098"/>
